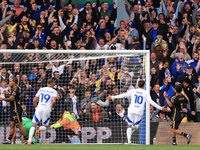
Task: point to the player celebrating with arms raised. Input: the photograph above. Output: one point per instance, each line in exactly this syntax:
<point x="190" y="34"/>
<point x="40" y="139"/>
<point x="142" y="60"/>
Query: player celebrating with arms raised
<point x="16" y="110"/>
<point x="178" y="112"/>
<point x="136" y="107"/>
<point x="47" y="100"/>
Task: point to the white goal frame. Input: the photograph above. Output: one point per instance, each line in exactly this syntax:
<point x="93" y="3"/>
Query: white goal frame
<point x="147" y="52"/>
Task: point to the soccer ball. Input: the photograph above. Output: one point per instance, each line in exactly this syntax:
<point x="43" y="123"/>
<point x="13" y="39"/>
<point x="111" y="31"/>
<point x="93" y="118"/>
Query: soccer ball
<point x="77" y="130"/>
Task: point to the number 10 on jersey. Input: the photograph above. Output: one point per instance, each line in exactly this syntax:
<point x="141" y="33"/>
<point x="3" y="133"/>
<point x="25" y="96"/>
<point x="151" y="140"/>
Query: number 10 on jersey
<point x="138" y="99"/>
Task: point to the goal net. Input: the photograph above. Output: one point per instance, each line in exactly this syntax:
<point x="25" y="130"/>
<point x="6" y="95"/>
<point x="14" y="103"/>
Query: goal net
<point x="83" y="80"/>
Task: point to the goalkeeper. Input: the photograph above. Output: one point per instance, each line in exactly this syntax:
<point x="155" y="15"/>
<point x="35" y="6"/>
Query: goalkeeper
<point x="27" y="124"/>
<point x="67" y="121"/>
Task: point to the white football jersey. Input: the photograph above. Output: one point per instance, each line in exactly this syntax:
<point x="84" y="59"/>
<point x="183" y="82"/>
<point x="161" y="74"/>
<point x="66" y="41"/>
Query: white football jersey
<point x="46" y="95"/>
<point x="2" y="95"/>
<point x="138" y="99"/>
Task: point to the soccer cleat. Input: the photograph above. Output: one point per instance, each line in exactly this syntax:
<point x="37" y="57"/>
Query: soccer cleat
<point x="174" y="143"/>
<point x="37" y="132"/>
<point x="29" y="143"/>
<point x="25" y="142"/>
<point x="7" y="142"/>
<point x="189" y="136"/>
<point x="42" y="143"/>
<point x="129" y="142"/>
<point x="132" y="129"/>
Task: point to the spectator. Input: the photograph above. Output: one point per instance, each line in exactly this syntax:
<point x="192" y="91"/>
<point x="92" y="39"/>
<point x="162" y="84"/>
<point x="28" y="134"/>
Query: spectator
<point x="188" y="90"/>
<point x="159" y="41"/>
<point x="122" y="27"/>
<point x="3" y="90"/>
<point x="85" y="103"/>
<point x="132" y="30"/>
<point x="133" y="14"/>
<point x="119" y="114"/>
<point x="96" y="114"/>
<point x="82" y="88"/>
<point x="34" y="73"/>
<point x="24" y="111"/>
<point x="17" y="7"/>
<point x="181" y="61"/>
<point x="153" y="112"/>
<point x="151" y="32"/>
<point x="161" y="117"/>
<point x="72" y="104"/>
<point x="17" y="70"/>
<point x="104" y="10"/>
<point x="5" y="74"/>
<point x="154" y="63"/>
<point x="190" y="74"/>
<point x="58" y="80"/>
<point x="195" y="60"/>
<point x="183" y="50"/>
<point x="85" y="11"/>
<point x="157" y="95"/>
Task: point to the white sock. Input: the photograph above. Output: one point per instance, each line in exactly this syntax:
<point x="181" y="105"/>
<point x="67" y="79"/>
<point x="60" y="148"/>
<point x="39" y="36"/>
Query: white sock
<point x="31" y="132"/>
<point x="43" y="128"/>
<point x="128" y="132"/>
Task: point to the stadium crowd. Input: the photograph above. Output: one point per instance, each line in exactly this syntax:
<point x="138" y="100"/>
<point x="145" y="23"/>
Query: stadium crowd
<point x="171" y="28"/>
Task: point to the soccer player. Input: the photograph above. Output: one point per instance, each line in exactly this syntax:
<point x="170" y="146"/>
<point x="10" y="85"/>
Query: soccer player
<point x="67" y="121"/>
<point x="135" y="110"/>
<point x="178" y="112"/>
<point x="27" y="124"/>
<point x="47" y="100"/>
<point x="16" y="110"/>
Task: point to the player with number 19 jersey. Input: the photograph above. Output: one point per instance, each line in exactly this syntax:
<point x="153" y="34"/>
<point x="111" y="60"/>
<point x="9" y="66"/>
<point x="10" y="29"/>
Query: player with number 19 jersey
<point x="45" y="98"/>
<point x="43" y="109"/>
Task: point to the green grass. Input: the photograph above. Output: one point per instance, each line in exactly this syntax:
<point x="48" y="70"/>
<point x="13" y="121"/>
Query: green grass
<point x="98" y="147"/>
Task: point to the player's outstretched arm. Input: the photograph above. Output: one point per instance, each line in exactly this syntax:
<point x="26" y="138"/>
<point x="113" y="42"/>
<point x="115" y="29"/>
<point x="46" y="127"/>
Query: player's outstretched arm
<point x="11" y="98"/>
<point x="167" y="100"/>
<point x="127" y="94"/>
<point x="183" y="93"/>
<point x="153" y="103"/>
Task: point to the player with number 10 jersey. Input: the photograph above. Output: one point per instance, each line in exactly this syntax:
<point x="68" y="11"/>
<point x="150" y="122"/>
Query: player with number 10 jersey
<point x="135" y="110"/>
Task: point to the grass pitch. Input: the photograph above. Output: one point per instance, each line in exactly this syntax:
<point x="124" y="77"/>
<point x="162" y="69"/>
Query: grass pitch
<point x="97" y="147"/>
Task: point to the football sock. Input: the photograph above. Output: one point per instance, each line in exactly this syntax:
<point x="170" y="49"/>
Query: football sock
<point x="174" y="139"/>
<point x="184" y="134"/>
<point x="31" y="132"/>
<point x="10" y="137"/>
<point x="43" y="128"/>
<point x="25" y="137"/>
<point x="128" y="131"/>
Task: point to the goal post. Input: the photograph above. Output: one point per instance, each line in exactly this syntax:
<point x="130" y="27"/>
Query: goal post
<point x="76" y="55"/>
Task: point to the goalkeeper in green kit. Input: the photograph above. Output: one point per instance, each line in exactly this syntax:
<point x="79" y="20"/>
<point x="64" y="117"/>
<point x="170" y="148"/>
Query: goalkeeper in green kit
<point x="27" y="124"/>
